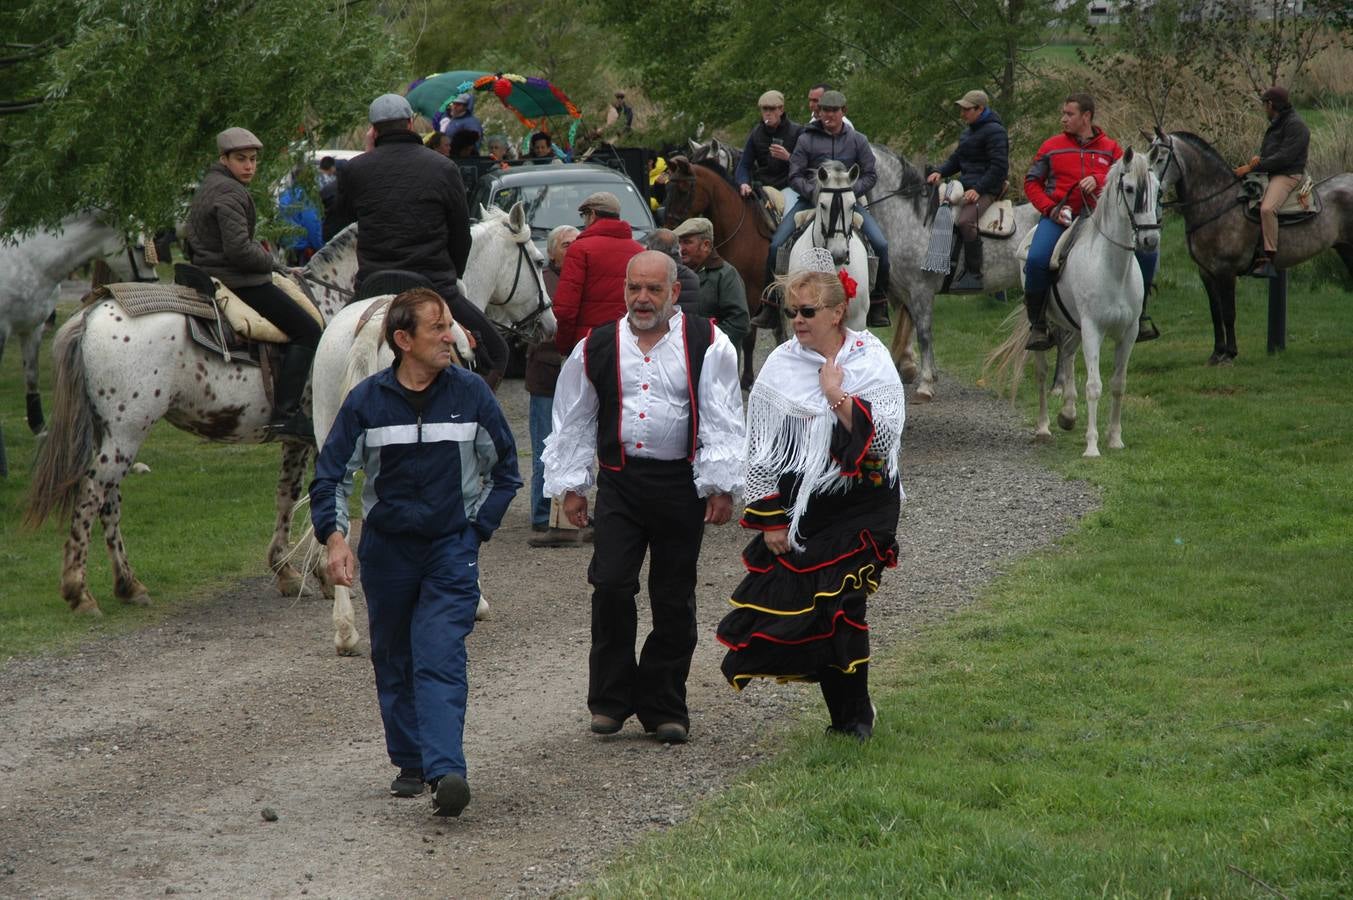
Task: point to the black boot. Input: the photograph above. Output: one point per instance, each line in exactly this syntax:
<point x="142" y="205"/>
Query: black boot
<point x="1036" y="303"/>
<point x="289" y="421"/>
<point x="878" y="298"/>
<point x="971" y="280"/>
<point x="768" y="311"/>
<point x="1146" y="329"/>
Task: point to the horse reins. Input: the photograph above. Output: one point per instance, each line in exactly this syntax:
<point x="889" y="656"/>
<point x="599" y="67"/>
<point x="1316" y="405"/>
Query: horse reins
<point x="519" y="328"/>
<point x="685" y="210"/>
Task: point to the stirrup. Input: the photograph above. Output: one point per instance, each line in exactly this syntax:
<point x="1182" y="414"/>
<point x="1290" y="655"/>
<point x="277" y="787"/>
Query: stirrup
<point x="1146" y="330"/>
<point x="1040" y="339"/>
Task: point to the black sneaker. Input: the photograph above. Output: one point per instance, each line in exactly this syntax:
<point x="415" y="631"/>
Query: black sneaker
<point x="450" y="795"/>
<point x="408" y="783"/>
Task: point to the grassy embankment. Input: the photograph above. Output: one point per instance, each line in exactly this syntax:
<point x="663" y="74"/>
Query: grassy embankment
<point x="201" y="518"/>
<point x="1160" y="705"/>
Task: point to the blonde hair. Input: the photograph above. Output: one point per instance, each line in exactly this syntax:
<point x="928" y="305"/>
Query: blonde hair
<point x="818" y="287"/>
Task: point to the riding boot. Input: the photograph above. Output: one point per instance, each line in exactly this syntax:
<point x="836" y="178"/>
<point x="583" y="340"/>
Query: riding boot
<point x="878" y="299"/>
<point x="770" y="308"/>
<point x="971" y="280"/>
<point x="1036" y="304"/>
<point x="289" y="421"/>
<point x="1146" y="329"/>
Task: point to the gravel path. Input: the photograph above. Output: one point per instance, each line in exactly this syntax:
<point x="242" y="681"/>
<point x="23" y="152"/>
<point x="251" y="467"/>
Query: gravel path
<point x="146" y="764"/>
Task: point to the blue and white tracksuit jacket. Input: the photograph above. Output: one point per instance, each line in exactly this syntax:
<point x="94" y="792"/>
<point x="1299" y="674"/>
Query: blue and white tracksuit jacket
<point x="437" y="485"/>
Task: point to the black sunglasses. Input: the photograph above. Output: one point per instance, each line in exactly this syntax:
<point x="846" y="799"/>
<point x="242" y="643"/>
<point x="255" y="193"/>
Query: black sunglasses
<point x="806" y="311"/>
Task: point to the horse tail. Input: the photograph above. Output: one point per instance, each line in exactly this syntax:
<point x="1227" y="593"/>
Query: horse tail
<point x="1006" y="362"/>
<point x="63" y="457"/>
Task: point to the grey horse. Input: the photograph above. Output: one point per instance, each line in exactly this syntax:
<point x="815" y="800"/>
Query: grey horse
<point x="1221" y="239"/>
<point x="899" y="202"/>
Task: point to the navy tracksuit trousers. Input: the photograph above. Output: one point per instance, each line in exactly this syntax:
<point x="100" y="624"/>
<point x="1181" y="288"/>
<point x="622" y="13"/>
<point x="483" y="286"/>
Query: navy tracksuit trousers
<point x="421" y="596"/>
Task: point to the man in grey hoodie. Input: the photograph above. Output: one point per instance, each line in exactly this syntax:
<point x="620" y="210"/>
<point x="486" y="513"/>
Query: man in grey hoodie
<point x="828" y="137"/>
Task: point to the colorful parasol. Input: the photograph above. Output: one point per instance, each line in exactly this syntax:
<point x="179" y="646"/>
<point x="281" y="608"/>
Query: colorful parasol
<point x="431" y="95"/>
<point x="530" y="99"/>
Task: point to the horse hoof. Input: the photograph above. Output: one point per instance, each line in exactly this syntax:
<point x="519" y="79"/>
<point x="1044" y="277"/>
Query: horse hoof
<point x="288" y="582"/>
<point x="141" y="598"/>
<point x="86" y="605"/>
<point x="1090" y="454"/>
<point x="347" y="651"/>
<point x="1042" y="437"/>
<point x="924" y="394"/>
<point x="1065" y="422"/>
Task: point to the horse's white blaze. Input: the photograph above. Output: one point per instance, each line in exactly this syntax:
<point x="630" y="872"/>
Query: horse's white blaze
<point x="851" y="249"/>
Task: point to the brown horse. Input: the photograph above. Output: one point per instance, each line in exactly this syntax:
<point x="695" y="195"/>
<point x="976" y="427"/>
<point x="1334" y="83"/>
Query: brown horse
<point x="741" y="231"/>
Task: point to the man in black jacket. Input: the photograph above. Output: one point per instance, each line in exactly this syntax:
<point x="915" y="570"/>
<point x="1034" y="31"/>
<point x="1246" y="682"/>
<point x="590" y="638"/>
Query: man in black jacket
<point x="981" y="160"/>
<point x="410" y="208"/>
<point x="765" y="158"/>
<point x="1282" y="156"/>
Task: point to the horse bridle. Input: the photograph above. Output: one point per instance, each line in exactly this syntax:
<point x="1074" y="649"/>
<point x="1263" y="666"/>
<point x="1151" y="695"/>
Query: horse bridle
<point x="1182" y="204"/>
<point x="684" y="212"/>
<point x="836" y="212"/>
<point x="1137" y="227"/>
<point x="524" y="327"/>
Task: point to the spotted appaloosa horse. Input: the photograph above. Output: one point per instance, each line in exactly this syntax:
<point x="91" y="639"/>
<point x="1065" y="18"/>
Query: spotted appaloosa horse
<point x="116" y="376"/>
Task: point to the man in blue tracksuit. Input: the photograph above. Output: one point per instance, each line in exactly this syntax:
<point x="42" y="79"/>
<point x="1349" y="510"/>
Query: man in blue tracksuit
<point x="441" y="468"/>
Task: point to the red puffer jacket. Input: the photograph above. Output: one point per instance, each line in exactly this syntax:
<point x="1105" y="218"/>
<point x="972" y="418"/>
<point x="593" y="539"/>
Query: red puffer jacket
<point x="1064" y="160"/>
<point x="592" y="282"/>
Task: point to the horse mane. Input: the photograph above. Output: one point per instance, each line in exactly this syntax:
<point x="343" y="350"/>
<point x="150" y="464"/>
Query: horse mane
<point x="717" y="168"/>
<point x="912" y="176"/>
<point x="337" y="245"/>
<point x="1201" y="146"/>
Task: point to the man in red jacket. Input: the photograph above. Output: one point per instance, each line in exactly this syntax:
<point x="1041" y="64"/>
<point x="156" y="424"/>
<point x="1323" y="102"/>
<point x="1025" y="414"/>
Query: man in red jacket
<point x="1065" y="180"/>
<point x="592" y="285"/>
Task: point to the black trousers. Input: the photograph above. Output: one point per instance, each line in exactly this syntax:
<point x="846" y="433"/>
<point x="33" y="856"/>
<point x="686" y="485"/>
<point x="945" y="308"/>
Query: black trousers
<point x="492" y="350"/>
<point x="273" y="304"/>
<point x="650" y="505"/>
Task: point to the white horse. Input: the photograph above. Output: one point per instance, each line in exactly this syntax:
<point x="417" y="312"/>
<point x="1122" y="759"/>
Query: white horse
<point x="503" y="276"/>
<point x="31" y="272"/>
<point x="1098" y="296"/>
<point x="835" y="228"/>
<point x="899" y="202"/>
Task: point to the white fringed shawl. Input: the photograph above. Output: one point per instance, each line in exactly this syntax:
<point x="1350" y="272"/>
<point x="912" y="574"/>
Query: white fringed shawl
<point x="789" y="425"/>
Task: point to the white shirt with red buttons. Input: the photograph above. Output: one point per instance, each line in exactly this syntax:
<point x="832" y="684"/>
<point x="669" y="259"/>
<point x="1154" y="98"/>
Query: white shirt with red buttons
<point x="655" y="413"/>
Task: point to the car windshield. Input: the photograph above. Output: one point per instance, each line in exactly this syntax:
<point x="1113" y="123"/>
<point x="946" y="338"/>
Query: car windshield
<point x="551" y="205"/>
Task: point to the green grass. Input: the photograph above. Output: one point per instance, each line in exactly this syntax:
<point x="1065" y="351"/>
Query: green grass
<point x="201" y="519"/>
<point x="1163" y="696"/>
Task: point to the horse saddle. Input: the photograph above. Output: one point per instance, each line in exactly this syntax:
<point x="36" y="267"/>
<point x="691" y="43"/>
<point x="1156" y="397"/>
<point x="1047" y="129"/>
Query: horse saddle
<point x="999" y="219"/>
<point x="772" y="205"/>
<point x="247" y="323"/>
<point x="1060" y="251"/>
<point x="1300" y="205"/>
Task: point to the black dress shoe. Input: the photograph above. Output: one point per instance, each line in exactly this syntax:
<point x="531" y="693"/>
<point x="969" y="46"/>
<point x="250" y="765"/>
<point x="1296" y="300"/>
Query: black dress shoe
<point x="671" y="733"/>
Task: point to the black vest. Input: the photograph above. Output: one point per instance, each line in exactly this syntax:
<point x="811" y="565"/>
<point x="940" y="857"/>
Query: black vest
<point x="766" y="169"/>
<point x="601" y="362"/>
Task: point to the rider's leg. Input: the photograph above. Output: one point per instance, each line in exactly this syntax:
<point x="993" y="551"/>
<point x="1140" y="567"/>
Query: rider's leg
<point x="1037" y="282"/>
<point x="492" y="350"/>
<point x="271" y="302"/>
<point x="878" y="297"/>
<point x="971" y="280"/>
<point x="1146" y="329"/>
<point x="1279" y="187"/>
<point x="765" y="316"/>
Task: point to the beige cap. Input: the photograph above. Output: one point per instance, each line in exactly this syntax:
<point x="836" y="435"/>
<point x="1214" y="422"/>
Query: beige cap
<point x="237" y="139"/>
<point x="698" y="225"/>
<point x="601" y="201"/>
<point x="771" y="98"/>
<point x="974" y="98"/>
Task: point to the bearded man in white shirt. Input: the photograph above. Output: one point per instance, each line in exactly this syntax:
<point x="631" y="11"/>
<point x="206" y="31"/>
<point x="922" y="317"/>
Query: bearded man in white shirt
<point x="654" y="397"/>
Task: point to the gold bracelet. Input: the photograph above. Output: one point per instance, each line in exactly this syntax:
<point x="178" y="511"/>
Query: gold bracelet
<point x="837" y="404"/>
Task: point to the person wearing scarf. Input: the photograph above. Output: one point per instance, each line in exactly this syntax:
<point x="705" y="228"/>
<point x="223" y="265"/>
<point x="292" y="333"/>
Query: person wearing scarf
<point x="823" y="491"/>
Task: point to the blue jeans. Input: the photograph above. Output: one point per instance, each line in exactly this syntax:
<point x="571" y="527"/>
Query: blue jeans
<point x="421" y="596"/>
<point x="540" y="422"/>
<point x="868" y="227"/>
<point x="1046" y="235"/>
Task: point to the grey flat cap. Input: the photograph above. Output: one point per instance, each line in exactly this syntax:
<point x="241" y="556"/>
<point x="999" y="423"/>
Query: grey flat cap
<point x="388" y="108"/>
<point x="601" y="201"/>
<point x="237" y="139"/>
<point x="832" y="100"/>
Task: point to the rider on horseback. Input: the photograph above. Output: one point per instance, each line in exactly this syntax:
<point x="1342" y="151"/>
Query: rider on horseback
<point x="1066" y="177"/>
<point x="1282" y="156"/>
<point x="826" y="138"/>
<point x="765" y="159"/>
<point x="220" y="241"/>
<point x="982" y="161"/>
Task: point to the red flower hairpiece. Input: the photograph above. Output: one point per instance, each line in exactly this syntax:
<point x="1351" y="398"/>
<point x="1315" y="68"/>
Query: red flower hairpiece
<point x="848" y="283"/>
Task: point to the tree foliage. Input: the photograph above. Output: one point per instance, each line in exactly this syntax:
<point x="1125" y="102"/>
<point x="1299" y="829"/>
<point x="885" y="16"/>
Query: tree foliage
<point x="133" y="93"/>
<point x="902" y="65"/>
